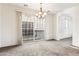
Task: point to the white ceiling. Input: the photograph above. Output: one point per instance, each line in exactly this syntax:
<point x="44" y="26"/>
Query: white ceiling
<point x="52" y="7"/>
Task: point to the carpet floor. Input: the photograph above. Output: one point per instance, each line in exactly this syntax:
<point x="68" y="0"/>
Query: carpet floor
<point x="41" y="48"/>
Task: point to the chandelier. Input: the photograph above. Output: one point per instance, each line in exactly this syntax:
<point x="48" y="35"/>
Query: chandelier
<point x="40" y="14"/>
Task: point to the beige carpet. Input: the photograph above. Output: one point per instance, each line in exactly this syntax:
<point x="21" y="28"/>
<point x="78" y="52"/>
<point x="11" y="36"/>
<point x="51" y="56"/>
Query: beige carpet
<point x="41" y="48"/>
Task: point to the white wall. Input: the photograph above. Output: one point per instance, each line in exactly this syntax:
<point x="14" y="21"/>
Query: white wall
<point x="8" y="26"/>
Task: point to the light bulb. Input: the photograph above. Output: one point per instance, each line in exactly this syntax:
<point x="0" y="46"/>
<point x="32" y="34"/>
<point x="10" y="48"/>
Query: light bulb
<point x="36" y="14"/>
<point x="45" y="13"/>
<point x="40" y="13"/>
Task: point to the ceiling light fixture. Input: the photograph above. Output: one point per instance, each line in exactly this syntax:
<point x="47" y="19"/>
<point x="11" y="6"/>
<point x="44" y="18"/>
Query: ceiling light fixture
<point x="40" y="14"/>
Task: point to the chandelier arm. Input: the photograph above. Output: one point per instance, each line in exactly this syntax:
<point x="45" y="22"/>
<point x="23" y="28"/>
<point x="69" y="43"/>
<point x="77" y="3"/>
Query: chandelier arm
<point x="40" y="7"/>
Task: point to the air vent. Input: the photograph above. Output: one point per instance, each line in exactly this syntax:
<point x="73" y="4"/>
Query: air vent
<point x="25" y="5"/>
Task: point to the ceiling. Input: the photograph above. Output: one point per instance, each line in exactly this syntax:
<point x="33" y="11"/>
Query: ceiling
<point x="52" y="7"/>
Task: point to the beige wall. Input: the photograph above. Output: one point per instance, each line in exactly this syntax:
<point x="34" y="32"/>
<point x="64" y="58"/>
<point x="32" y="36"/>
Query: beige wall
<point x="49" y="27"/>
<point x="75" y="15"/>
<point x="0" y="27"/>
<point x="8" y="26"/>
